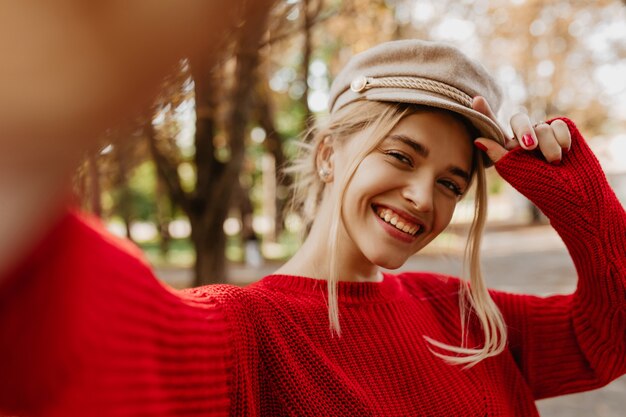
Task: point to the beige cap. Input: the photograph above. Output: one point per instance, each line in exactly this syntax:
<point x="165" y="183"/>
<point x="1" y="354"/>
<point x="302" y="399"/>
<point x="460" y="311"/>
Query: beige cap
<point x="420" y="72"/>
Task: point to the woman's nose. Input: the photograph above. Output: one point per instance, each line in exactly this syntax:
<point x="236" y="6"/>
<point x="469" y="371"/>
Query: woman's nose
<point x="420" y="195"/>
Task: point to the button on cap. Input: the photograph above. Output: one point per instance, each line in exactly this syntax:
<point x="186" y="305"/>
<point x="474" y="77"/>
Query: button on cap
<point x="358" y="84"/>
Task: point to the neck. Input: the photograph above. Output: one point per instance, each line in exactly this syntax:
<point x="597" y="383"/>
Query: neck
<point x="313" y="259"/>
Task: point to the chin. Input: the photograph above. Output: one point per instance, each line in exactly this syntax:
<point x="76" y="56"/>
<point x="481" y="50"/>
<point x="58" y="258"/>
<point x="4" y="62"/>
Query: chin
<point x="385" y="262"/>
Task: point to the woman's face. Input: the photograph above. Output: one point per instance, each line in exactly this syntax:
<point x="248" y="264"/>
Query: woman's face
<point x="403" y="194"/>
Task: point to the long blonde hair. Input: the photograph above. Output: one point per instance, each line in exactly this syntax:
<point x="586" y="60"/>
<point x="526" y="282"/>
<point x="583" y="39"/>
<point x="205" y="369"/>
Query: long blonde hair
<point x="379" y="119"/>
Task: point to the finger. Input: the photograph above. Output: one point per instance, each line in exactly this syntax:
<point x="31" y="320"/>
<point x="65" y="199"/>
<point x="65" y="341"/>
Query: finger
<point x="550" y="148"/>
<point x="562" y="134"/>
<point x="523" y="131"/>
<point x="480" y="104"/>
<point x="511" y="143"/>
<point x="492" y="148"/>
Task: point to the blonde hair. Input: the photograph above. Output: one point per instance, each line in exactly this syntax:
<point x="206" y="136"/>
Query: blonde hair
<point x="379" y="119"/>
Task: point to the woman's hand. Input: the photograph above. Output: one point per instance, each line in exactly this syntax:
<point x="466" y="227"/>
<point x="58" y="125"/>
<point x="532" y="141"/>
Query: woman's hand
<point x="552" y="139"/>
<point x="573" y="192"/>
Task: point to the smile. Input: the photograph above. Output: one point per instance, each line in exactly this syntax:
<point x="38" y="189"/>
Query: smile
<point x="399" y="222"/>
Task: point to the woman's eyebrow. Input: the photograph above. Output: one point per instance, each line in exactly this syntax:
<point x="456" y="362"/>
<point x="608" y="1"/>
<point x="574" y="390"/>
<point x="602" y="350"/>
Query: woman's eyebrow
<point x="460" y="173"/>
<point x="417" y="147"/>
<point x="424" y="152"/>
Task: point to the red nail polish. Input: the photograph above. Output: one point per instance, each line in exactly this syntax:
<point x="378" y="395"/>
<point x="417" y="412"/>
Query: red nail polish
<point x="528" y="140"/>
<point x="480" y="146"/>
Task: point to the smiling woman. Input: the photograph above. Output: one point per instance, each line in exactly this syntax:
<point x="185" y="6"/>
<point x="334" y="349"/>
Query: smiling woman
<point x="398" y="170"/>
<point x="411" y="128"/>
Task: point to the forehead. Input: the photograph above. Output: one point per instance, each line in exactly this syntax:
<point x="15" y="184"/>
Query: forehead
<point x="444" y="135"/>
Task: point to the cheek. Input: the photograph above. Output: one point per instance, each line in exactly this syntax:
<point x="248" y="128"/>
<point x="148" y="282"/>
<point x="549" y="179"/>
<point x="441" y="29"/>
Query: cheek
<point x="444" y="209"/>
<point x="370" y="179"/>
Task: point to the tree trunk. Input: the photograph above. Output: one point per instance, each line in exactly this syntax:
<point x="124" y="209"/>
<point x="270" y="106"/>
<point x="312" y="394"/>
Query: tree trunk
<point x="164" y="211"/>
<point x="215" y="178"/>
<point x="242" y="201"/>
<point x="207" y="206"/>
<point x="209" y="241"/>
<point x="124" y="204"/>
<point x="207" y="232"/>
<point x="127" y="223"/>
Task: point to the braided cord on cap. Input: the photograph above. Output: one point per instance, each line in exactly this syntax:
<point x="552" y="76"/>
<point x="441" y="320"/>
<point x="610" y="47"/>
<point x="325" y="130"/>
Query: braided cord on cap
<point x="414" y="83"/>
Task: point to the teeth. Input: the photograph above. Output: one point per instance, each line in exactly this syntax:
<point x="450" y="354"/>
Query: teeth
<point x="389" y="217"/>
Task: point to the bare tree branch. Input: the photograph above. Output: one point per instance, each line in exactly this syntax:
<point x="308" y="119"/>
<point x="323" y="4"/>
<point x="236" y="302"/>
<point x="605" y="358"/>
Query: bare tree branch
<point x="320" y="18"/>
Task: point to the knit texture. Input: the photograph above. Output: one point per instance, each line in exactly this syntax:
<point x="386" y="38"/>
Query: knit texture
<point x="86" y="330"/>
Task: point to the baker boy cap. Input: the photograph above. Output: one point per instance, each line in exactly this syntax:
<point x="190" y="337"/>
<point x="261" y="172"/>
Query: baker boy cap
<point x="419" y="72"/>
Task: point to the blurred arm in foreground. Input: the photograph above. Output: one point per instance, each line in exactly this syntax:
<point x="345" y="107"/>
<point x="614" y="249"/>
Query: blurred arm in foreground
<point x="70" y="69"/>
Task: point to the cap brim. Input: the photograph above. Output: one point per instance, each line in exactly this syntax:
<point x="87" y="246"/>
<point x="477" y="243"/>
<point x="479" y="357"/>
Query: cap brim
<point x="485" y="126"/>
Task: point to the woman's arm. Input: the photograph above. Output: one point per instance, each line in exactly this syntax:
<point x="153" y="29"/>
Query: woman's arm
<point x="86" y="330"/>
<point x="576" y="342"/>
<point x="72" y="68"/>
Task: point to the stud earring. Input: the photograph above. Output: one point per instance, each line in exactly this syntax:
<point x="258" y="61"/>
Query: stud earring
<point x="324" y="173"/>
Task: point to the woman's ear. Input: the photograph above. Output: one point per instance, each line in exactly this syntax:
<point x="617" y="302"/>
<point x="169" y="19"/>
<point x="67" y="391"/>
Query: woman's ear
<point x="324" y="159"/>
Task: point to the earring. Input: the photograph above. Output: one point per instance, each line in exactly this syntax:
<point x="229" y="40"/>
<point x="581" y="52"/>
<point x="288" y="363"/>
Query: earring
<point x="324" y="173"/>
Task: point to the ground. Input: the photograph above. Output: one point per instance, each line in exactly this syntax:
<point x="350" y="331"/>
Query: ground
<point x="529" y="260"/>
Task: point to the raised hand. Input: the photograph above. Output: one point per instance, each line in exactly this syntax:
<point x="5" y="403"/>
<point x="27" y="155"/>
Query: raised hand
<point x="552" y="138"/>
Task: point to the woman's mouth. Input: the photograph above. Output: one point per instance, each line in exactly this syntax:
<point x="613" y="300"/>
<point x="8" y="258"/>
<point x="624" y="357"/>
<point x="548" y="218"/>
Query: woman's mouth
<point x="400" y="223"/>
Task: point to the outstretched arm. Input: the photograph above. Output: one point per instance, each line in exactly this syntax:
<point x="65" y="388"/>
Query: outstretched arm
<point x="86" y="330"/>
<point x="72" y="68"/>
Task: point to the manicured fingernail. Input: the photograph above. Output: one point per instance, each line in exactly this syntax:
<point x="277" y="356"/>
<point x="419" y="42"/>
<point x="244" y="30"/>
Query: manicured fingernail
<point x="528" y="140"/>
<point x="480" y="146"/>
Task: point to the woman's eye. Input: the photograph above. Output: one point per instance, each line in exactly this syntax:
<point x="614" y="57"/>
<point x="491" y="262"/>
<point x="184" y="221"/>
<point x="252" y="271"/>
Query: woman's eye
<point x="400" y="157"/>
<point x="452" y="186"/>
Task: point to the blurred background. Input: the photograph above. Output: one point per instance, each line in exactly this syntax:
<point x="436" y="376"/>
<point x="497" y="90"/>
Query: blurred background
<point x="197" y="182"/>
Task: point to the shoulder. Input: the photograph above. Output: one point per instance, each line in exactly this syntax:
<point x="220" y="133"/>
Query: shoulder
<point x="224" y="294"/>
<point x="240" y="304"/>
<point x="83" y="240"/>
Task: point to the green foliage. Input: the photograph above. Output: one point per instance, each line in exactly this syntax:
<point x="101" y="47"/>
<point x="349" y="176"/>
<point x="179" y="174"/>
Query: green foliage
<point x="142" y="185"/>
<point x="290" y="120"/>
<point x="181" y="253"/>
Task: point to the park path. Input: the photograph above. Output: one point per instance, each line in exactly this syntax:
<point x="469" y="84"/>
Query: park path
<point x="529" y="260"/>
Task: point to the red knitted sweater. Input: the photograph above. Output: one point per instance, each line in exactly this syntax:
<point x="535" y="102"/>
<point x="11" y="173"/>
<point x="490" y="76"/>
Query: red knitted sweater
<point x="86" y="330"/>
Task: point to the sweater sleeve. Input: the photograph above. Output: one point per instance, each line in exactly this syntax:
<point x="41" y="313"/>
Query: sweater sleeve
<point x="571" y="343"/>
<point x="86" y="330"/>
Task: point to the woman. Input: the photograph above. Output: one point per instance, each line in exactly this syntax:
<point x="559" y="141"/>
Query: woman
<point x="410" y="128"/>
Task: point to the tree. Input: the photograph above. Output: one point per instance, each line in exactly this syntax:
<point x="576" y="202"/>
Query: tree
<point x="217" y="170"/>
